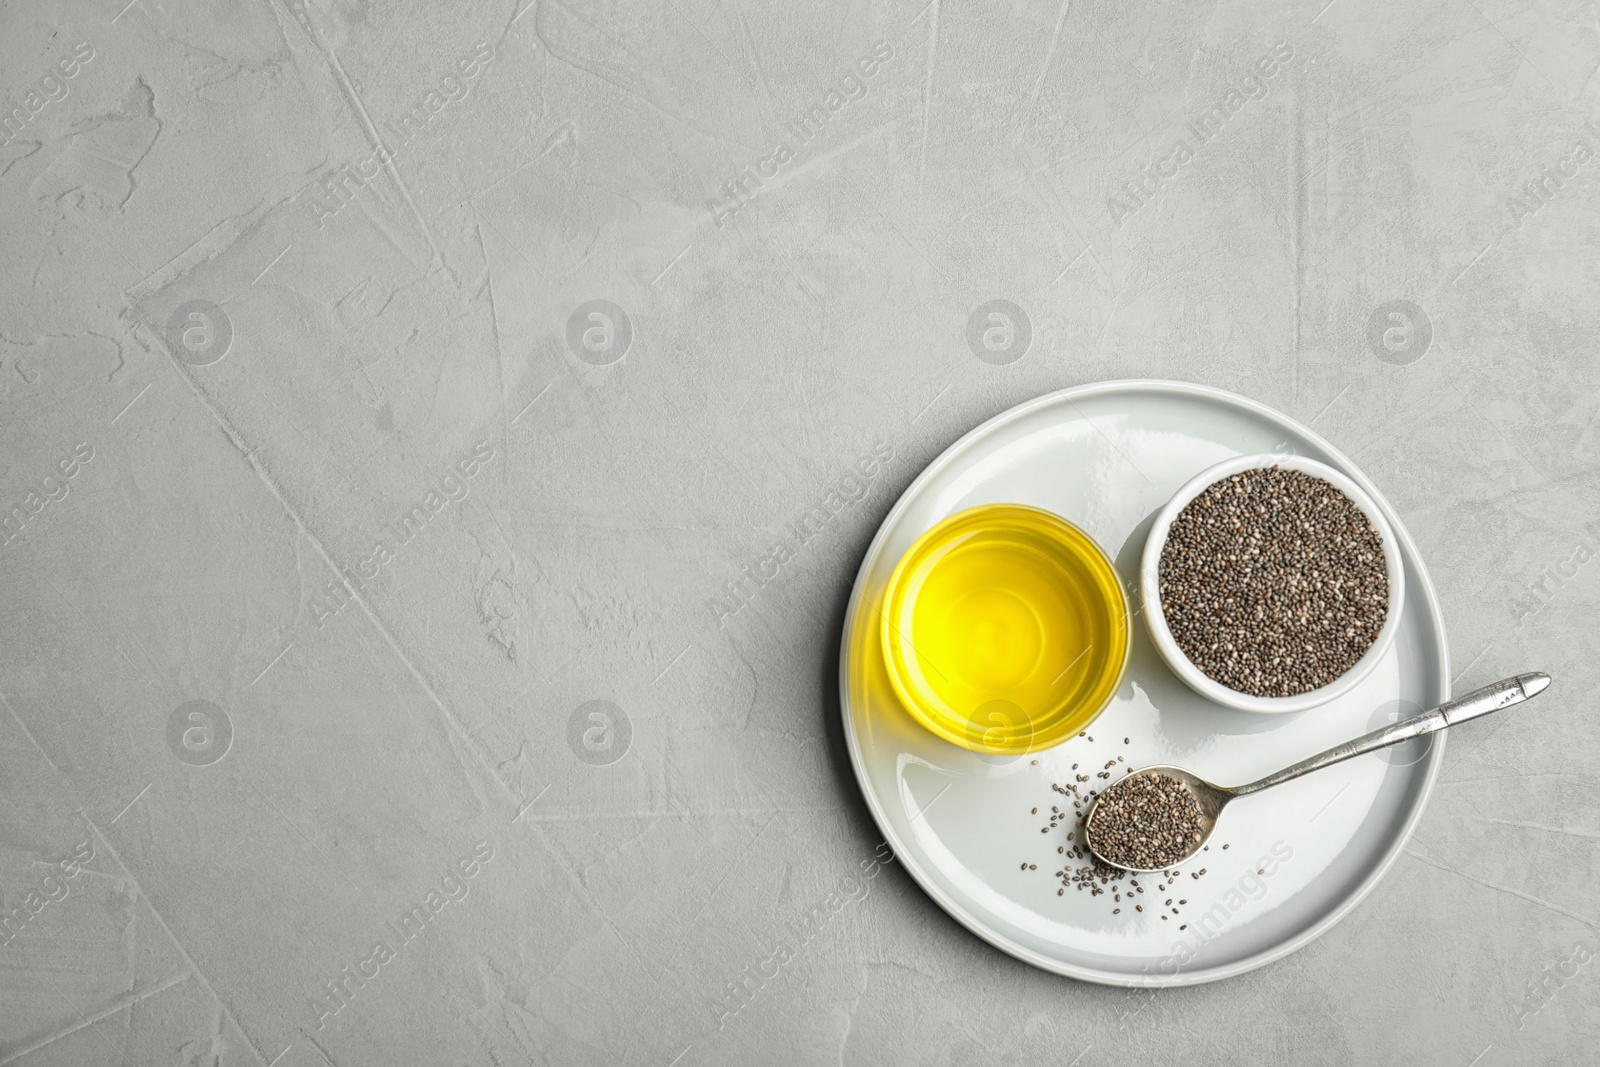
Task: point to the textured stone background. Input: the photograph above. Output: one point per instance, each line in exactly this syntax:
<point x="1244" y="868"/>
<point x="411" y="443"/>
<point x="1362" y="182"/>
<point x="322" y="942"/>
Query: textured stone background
<point x="204" y="185"/>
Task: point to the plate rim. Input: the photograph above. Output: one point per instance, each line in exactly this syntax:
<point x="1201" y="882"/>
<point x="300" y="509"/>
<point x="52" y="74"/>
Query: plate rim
<point x="1369" y="882"/>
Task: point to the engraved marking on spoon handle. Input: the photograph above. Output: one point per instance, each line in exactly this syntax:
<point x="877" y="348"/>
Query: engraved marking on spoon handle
<point x="1493" y="697"/>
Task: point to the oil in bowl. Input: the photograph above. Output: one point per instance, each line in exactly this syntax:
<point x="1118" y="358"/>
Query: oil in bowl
<point x="1005" y="629"/>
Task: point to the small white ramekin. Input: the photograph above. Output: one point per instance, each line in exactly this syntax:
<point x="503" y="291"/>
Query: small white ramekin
<point x="1156" y="622"/>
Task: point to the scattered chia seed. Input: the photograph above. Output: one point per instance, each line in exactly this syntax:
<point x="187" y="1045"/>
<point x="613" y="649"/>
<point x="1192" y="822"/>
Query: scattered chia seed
<point x="1273" y="582"/>
<point x="1081" y="869"/>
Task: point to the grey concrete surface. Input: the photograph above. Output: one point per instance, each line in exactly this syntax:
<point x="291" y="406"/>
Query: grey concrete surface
<point x="329" y="441"/>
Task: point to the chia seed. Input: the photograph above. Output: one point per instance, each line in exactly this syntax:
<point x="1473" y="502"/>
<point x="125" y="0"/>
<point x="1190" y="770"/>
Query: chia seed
<point x="1273" y="582"/>
<point x="1081" y="869"/>
<point x="1148" y="821"/>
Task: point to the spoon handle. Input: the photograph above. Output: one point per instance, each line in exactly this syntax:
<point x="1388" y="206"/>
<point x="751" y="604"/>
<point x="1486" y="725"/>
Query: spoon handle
<point x="1493" y="697"/>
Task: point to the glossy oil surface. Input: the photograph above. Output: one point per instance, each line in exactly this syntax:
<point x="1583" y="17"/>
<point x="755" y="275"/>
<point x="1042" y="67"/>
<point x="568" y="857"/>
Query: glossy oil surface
<point x="1006" y="629"/>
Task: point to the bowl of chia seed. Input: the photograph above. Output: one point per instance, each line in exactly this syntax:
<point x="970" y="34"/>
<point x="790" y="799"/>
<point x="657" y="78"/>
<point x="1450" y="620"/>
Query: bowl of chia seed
<point x="1272" y="583"/>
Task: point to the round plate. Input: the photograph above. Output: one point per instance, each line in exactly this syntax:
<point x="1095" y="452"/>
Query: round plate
<point x="1108" y="457"/>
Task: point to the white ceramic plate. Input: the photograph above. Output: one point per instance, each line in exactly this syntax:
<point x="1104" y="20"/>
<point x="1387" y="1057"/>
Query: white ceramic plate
<point x="1108" y="457"/>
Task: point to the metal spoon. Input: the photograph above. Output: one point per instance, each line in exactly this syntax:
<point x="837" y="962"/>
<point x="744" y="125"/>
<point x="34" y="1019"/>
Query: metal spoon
<point x="1213" y="798"/>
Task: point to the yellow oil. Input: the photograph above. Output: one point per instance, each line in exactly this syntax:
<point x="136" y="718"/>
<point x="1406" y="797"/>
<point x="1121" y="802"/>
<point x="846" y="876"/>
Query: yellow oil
<point x="1006" y="629"/>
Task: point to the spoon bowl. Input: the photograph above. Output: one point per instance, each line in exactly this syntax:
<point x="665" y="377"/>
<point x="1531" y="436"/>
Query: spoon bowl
<point x="1213" y="798"/>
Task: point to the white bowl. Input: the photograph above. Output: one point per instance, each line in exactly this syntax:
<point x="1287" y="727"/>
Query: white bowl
<point x="1155" y="618"/>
